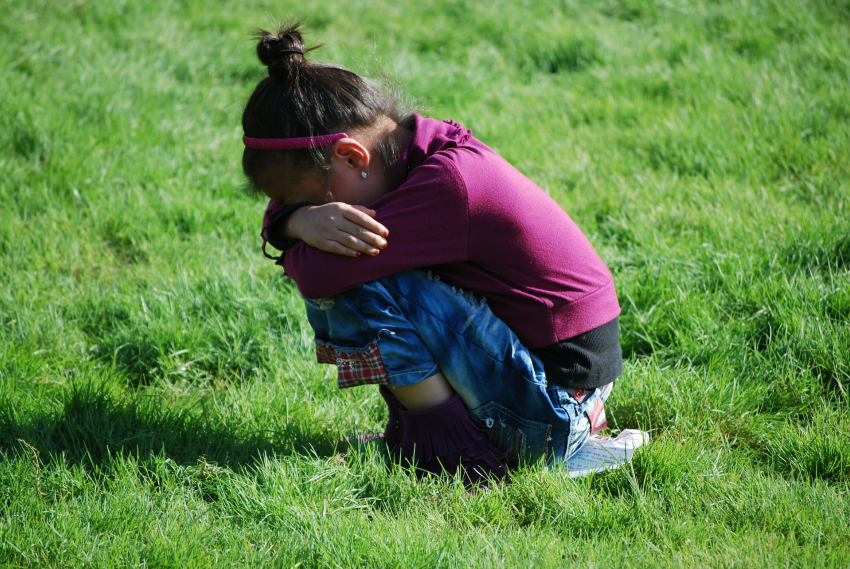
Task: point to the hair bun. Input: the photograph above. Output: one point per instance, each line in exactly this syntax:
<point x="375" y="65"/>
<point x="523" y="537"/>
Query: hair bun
<point x="283" y="52"/>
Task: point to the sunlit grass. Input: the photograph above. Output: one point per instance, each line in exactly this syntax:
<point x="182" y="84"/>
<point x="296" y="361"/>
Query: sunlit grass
<point x="159" y="404"/>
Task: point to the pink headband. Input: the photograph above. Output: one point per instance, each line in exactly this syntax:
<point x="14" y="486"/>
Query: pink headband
<point x="292" y="143"/>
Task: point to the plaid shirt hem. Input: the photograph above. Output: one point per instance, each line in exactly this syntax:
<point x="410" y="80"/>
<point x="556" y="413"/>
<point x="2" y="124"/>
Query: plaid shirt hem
<point x="355" y="366"/>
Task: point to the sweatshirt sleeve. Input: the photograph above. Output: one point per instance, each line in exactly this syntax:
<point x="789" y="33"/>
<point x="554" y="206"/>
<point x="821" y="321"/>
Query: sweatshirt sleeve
<point x="427" y="218"/>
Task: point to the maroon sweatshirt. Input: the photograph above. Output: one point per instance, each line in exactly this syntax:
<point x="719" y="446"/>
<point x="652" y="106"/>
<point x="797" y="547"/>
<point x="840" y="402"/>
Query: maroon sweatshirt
<point x="463" y="212"/>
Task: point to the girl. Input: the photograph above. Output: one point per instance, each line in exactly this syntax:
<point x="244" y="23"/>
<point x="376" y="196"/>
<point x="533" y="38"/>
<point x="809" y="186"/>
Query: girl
<point x="431" y="267"/>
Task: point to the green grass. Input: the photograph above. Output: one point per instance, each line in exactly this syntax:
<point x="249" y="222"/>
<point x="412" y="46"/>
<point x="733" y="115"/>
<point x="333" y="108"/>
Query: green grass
<point x="159" y="405"/>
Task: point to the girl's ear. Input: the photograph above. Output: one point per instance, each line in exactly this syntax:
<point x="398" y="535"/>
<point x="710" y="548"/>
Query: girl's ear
<point x="348" y="153"/>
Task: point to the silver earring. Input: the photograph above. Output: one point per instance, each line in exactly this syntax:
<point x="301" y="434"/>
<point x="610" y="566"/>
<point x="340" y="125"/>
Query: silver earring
<point x="364" y="174"/>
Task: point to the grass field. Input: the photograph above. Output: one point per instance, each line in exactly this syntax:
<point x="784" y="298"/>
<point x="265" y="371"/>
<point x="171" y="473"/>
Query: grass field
<point x="159" y="404"/>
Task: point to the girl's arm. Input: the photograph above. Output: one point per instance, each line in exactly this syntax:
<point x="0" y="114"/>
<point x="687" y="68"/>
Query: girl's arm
<point x="428" y="218"/>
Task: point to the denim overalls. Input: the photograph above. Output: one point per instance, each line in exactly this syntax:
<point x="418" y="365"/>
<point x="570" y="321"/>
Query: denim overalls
<point x="402" y="328"/>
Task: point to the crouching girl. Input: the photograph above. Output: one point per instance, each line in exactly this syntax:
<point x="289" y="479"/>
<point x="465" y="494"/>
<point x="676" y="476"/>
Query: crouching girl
<point x="432" y="268"/>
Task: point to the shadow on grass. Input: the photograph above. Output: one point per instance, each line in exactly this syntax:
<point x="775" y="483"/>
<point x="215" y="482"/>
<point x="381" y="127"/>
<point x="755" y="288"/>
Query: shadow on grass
<point x="93" y="426"/>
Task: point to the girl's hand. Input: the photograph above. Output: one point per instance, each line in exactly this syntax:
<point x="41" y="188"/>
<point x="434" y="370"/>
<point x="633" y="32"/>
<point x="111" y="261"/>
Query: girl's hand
<point x="338" y="228"/>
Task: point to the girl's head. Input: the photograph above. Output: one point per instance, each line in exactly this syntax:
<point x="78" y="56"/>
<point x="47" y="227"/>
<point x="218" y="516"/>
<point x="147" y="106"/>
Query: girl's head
<point x="301" y="98"/>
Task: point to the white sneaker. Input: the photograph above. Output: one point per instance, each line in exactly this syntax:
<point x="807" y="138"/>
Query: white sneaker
<point x="605" y="453"/>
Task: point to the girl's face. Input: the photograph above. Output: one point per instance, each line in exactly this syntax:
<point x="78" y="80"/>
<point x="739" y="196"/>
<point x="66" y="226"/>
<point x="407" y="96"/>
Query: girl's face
<point x="344" y="182"/>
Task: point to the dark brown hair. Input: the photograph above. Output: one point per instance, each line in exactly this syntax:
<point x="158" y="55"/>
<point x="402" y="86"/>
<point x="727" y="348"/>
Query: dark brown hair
<point x="302" y="98"/>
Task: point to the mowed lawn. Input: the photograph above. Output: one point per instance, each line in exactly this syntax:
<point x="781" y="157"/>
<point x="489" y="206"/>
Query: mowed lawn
<point x="159" y="401"/>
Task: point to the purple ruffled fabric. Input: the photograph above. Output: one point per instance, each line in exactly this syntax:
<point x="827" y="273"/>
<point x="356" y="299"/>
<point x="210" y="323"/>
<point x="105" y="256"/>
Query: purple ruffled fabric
<point x="445" y="438"/>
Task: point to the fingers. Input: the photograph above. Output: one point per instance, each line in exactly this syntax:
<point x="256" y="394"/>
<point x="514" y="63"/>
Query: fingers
<point x="363" y="217"/>
<point x="363" y="234"/>
<point x="338" y="248"/>
<point x="342" y="229"/>
<point x="364" y="209"/>
<point x="358" y="239"/>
